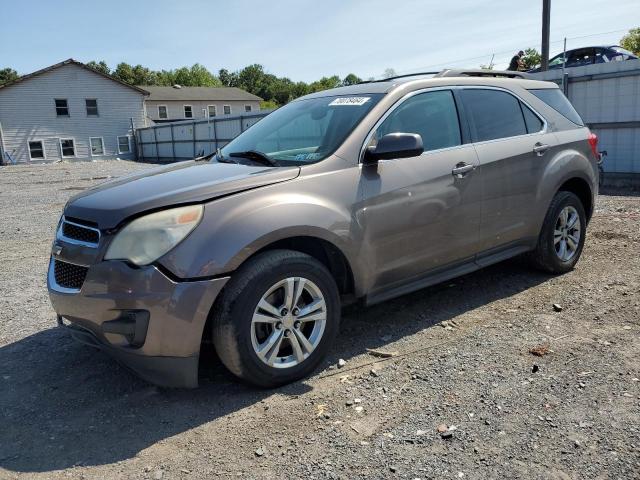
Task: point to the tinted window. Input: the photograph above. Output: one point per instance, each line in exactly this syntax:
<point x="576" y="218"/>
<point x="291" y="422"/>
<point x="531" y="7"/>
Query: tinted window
<point x="62" y="108"/>
<point x="556" y="100"/>
<point x="493" y="114"/>
<point x="534" y="124"/>
<point x="432" y="115"/>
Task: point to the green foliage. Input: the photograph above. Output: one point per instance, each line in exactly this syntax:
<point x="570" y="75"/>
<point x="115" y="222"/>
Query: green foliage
<point x="268" y="105"/>
<point x="8" y="75"/>
<point x="388" y="73"/>
<point x="351" y="79"/>
<point x="531" y="58"/>
<point x="100" y="66"/>
<point x="631" y="41"/>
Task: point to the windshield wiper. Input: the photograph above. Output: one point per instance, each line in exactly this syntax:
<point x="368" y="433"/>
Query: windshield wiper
<point x="256" y="156"/>
<point x="222" y="159"/>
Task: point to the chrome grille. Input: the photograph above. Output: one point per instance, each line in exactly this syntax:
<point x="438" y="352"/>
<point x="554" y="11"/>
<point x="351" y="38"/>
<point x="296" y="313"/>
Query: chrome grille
<point x="68" y="275"/>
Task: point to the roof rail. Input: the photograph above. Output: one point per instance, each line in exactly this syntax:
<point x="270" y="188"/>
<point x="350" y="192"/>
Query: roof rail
<point x="417" y="74"/>
<point x="482" y="73"/>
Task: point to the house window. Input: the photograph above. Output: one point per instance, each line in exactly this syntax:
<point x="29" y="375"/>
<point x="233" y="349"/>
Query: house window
<point x="62" y="108"/>
<point x="68" y="147"/>
<point x="188" y="111"/>
<point x="212" y="110"/>
<point x="97" y="146"/>
<point x="92" y="107"/>
<point x="247" y="108"/>
<point x="36" y="149"/>
<point x="227" y="109"/>
<point x="162" y="111"/>
<point x="123" y="144"/>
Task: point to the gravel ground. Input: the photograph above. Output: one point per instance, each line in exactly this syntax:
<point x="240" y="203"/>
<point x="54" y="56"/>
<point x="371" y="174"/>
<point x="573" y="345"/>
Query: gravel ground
<point x="463" y="366"/>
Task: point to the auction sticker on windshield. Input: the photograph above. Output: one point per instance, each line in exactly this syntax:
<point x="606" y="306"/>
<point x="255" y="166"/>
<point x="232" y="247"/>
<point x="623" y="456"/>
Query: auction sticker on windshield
<point x="350" y="101"/>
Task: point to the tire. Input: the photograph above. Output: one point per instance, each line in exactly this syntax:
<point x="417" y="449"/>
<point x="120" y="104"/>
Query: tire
<point x="546" y="256"/>
<point x="238" y="339"/>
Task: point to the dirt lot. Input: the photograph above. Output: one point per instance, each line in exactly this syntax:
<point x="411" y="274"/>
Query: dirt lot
<point x="464" y="361"/>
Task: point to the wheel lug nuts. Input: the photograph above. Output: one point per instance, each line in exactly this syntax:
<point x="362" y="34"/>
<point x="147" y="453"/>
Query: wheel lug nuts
<point x="286" y="333"/>
<point x="279" y="326"/>
<point x="284" y="311"/>
<point x="297" y="324"/>
<point x="295" y="311"/>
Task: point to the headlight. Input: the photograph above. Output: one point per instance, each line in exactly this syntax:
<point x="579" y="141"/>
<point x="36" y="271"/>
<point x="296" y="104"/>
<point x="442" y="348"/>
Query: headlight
<point x="147" y="238"/>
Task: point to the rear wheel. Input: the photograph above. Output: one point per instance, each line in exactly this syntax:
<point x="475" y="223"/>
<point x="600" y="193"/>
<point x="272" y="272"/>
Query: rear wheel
<point x="276" y="318"/>
<point x="562" y="237"/>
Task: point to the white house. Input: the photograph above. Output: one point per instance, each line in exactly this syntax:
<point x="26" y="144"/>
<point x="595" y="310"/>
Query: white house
<point x="166" y="104"/>
<point x="69" y="111"/>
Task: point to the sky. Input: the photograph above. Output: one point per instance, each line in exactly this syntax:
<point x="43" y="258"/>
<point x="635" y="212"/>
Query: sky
<point x="300" y="39"/>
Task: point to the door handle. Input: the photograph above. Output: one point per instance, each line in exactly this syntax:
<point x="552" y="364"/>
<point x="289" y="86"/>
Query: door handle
<point x="540" y="148"/>
<point x="461" y="169"/>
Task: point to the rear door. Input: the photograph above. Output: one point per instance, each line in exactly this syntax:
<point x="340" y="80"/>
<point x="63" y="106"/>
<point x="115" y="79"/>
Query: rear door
<point x="513" y="147"/>
<point x="418" y="215"/>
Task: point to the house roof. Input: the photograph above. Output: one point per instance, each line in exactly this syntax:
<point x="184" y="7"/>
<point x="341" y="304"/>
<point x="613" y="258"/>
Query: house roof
<point x="71" y="61"/>
<point x="205" y="94"/>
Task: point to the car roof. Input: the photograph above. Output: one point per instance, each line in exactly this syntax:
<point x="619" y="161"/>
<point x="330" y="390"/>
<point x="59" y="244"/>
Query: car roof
<point x="421" y="81"/>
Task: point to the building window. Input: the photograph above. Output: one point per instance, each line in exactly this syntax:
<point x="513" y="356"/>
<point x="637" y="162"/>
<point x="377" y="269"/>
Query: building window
<point x="36" y="149"/>
<point x="92" y="107"/>
<point x="212" y="110"/>
<point x="227" y="109"/>
<point x="188" y="111"/>
<point x="162" y="111"/>
<point x="68" y="147"/>
<point x="62" y="108"/>
<point x="97" y="146"/>
<point x="124" y="145"/>
<point x="247" y="108"/>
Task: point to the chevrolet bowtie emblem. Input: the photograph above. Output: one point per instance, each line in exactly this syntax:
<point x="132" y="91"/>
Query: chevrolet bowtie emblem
<point x="57" y="250"/>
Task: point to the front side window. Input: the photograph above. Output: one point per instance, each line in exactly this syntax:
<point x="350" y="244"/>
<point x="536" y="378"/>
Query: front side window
<point x="92" y="107"/>
<point x="62" y="107"/>
<point x="162" y="111"/>
<point x="304" y="131"/>
<point x="188" y="111"/>
<point x="247" y="108"/>
<point x="211" y="110"/>
<point x="227" y="109"/>
<point x="432" y="115"/>
<point x="493" y="114"/>
<point x="123" y="144"/>
<point x="68" y="148"/>
<point x="556" y="100"/>
<point x="36" y="149"/>
<point x="97" y="146"/>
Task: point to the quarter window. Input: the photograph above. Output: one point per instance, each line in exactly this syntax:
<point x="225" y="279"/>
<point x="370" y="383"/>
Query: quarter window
<point x="62" y="108"/>
<point x="533" y="122"/>
<point x="226" y="109"/>
<point x="97" y="146"/>
<point x="162" y="111"/>
<point x="432" y="115"/>
<point x="211" y="110"/>
<point x="36" y="149"/>
<point x="556" y="100"/>
<point x="123" y="144"/>
<point x="92" y="107"/>
<point x="68" y="148"/>
<point x="188" y="111"/>
<point x="493" y="114"/>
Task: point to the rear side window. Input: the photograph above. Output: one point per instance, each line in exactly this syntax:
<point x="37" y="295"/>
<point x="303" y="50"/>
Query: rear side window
<point x="534" y="124"/>
<point x="493" y="114"/>
<point x="432" y="115"/>
<point x="556" y="100"/>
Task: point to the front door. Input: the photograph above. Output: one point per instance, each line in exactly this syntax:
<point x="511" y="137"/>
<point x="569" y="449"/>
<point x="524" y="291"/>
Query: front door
<point x="421" y="213"/>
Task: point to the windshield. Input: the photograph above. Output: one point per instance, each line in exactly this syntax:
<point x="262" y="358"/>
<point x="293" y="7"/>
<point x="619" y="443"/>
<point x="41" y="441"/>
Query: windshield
<point x="303" y="131"/>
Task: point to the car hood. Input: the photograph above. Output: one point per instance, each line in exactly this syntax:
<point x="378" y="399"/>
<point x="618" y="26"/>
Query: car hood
<point x="109" y="203"/>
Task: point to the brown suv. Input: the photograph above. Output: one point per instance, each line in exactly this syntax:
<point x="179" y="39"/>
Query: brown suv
<point x="360" y="193"/>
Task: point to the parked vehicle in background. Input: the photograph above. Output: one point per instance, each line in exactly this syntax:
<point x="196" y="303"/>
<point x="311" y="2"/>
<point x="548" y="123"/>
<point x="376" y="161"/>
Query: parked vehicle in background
<point x="359" y="193"/>
<point x="580" y="57"/>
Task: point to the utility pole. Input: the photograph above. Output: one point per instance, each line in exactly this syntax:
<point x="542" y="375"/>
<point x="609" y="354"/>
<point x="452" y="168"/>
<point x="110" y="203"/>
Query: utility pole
<point x="546" y="20"/>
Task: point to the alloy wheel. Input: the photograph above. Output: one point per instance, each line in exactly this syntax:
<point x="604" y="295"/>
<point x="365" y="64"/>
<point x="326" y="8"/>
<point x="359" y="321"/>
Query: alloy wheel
<point x="567" y="233"/>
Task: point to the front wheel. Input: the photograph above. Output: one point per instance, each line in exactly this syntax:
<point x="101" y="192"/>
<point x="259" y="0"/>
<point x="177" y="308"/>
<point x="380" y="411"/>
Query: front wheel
<point x="276" y="318"/>
<point x="562" y="236"/>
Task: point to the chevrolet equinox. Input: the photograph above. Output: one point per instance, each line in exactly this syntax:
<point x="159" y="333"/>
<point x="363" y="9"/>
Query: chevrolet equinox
<point x="359" y="193"/>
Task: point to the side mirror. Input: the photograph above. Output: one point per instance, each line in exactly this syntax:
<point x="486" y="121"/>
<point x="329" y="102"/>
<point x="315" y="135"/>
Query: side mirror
<point x="394" y="145"/>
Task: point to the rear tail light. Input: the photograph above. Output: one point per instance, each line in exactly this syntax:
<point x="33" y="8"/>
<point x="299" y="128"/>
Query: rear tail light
<point x="593" y="143"/>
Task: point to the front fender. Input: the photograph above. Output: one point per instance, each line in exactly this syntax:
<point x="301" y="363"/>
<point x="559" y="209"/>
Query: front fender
<point x="235" y="227"/>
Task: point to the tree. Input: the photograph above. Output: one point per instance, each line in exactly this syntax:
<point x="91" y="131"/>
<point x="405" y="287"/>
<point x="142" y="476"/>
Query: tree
<point x="101" y="66"/>
<point x="531" y="58"/>
<point x="8" y="75"/>
<point x="351" y="79"/>
<point x="227" y="78"/>
<point x="486" y="67"/>
<point x="631" y="41"/>
<point x="388" y="73"/>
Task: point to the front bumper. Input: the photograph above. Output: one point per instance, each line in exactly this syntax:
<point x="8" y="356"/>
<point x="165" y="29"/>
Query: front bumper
<point x="160" y="322"/>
